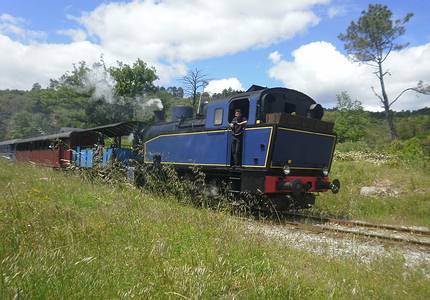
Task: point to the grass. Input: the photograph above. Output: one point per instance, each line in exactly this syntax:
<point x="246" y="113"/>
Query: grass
<point x="410" y="207"/>
<point x="64" y="237"/>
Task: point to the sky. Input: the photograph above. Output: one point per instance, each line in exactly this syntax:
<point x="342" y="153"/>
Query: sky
<point x="237" y="43"/>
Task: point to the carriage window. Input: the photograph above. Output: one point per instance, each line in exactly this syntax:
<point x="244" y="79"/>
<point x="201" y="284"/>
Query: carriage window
<point x="218" y="116"/>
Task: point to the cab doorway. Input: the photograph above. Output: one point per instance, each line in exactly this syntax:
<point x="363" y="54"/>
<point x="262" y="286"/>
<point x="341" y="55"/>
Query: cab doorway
<point x="237" y="117"/>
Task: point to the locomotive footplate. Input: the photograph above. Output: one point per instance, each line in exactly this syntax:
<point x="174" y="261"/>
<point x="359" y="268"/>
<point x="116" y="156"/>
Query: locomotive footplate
<point x="300" y="184"/>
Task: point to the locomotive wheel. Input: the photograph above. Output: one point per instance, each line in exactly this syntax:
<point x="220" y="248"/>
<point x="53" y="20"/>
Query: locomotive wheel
<point x="213" y="188"/>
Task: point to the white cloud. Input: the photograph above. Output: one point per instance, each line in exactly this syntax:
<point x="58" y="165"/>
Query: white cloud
<point x="334" y="11"/>
<point x="6" y="18"/>
<point x="166" y="34"/>
<point x="321" y="71"/>
<point x="275" y="57"/>
<point x="14" y="27"/>
<point x="183" y="31"/>
<point x="77" y="35"/>
<point x="217" y="86"/>
<point x="25" y="64"/>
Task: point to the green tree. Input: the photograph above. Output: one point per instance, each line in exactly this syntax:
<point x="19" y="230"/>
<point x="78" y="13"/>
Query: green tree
<point x="36" y="87"/>
<point x="226" y="93"/>
<point x="65" y="101"/>
<point x="135" y="80"/>
<point x="177" y="92"/>
<point x="413" y="126"/>
<point x="73" y="100"/>
<point x="132" y="84"/>
<point x="24" y="124"/>
<point x="12" y="102"/>
<point x="370" y="40"/>
<point x="350" y="120"/>
<point x="74" y="78"/>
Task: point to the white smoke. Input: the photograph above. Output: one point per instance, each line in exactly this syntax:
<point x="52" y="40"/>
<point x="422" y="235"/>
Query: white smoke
<point x="147" y="107"/>
<point x="99" y="81"/>
<point x="152" y="104"/>
<point x="130" y="138"/>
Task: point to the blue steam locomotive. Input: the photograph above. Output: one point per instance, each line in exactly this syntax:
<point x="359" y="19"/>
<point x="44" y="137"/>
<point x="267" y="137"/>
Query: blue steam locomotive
<point x="287" y="150"/>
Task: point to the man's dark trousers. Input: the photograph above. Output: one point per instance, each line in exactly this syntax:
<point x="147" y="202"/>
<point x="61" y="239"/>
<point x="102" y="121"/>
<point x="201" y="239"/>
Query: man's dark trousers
<point x="236" y="149"/>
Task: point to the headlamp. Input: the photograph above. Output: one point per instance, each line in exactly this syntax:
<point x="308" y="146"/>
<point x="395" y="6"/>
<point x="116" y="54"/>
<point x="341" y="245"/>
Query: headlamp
<point x="325" y="171"/>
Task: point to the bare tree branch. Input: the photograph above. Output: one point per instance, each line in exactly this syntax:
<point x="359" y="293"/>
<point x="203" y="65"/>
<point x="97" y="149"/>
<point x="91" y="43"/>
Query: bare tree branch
<point x="383" y="74"/>
<point x="369" y="64"/>
<point x="377" y="75"/>
<point x="388" y="53"/>
<point x="193" y="82"/>
<point x="420" y="88"/>
<point x="377" y="95"/>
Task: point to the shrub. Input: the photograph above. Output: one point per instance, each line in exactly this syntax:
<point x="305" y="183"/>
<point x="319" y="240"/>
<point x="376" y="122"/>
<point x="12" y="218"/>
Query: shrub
<point x="411" y="152"/>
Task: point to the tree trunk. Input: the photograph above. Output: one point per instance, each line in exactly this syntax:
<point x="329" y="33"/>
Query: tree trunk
<point x="194" y="100"/>
<point x="386" y="103"/>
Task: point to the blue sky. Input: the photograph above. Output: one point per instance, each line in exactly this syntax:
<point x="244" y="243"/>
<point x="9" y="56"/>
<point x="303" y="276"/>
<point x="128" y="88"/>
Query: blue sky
<point x="243" y="66"/>
<point x="43" y="24"/>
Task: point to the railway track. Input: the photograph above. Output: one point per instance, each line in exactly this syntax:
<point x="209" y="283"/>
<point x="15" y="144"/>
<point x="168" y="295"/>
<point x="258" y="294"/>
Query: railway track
<point x="402" y="234"/>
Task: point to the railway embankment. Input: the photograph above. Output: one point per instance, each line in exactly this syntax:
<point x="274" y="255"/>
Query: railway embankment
<point x="67" y="236"/>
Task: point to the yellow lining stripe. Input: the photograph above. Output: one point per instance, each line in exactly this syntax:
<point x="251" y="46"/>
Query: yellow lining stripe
<point x="257" y="128"/>
<point x="185" y="133"/>
<point x="309" y="132"/>
<point x="297" y="168"/>
<point x="332" y="152"/>
<point x="187" y="164"/>
<point x="212" y="131"/>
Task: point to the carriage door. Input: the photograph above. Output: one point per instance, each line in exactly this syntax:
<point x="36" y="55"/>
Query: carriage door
<point x="243" y="105"/>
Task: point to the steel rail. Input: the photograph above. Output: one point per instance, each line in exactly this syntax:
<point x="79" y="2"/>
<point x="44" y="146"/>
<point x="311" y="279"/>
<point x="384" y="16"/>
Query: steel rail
<point x="355" y="223"/>
<point x="361" y="233"/>
<point x="321" y="226"/>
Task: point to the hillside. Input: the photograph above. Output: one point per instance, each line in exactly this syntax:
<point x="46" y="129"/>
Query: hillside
<point x="43" y="111"/>
<point x="64" y="235"/>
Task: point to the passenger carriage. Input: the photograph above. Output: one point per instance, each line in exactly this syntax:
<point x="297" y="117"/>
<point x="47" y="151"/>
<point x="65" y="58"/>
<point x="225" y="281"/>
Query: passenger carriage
<point x="72" y="146"/>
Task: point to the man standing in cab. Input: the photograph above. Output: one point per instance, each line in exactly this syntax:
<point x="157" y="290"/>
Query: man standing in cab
<point x="237" y="126"/>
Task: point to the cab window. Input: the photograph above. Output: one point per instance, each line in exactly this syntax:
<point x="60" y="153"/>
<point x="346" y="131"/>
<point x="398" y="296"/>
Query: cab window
<point x="218" y="116"/>
<point x="242" y="104"/>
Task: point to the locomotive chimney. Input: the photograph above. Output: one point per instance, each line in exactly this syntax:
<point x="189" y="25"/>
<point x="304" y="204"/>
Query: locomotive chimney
<point x="159" y="116"/>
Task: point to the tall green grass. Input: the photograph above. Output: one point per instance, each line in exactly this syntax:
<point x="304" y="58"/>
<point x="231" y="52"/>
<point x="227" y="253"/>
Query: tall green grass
<point x="62" y="236"/>
<point x="410" y="207"/>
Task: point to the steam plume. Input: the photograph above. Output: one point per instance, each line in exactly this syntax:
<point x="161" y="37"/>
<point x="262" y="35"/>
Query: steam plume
<point x="100" y="83"/>
<point x="152" y="104"/>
